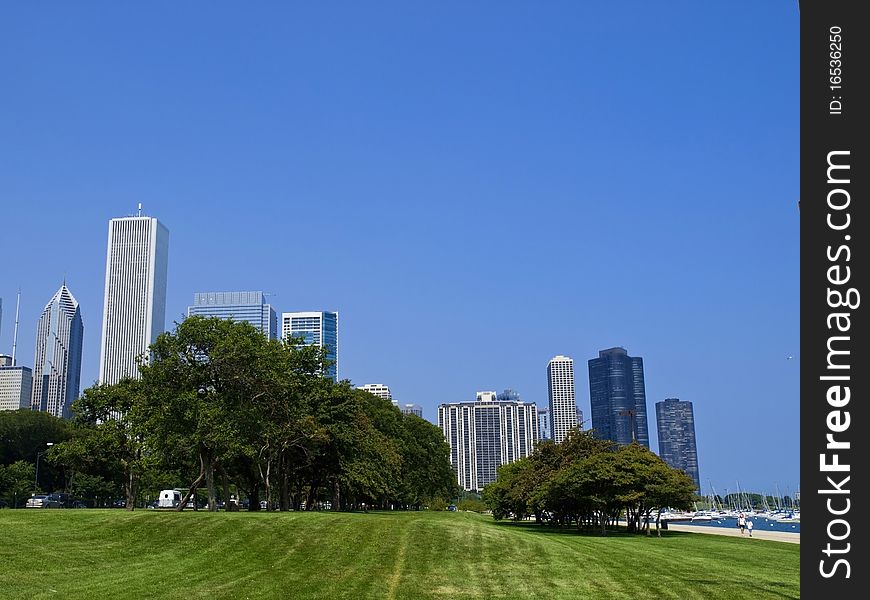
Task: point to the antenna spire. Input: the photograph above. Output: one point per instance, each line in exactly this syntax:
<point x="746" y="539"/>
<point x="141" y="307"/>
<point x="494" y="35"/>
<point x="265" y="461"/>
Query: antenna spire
<point x="15" y="334"/>
<point x="139" y="210"/>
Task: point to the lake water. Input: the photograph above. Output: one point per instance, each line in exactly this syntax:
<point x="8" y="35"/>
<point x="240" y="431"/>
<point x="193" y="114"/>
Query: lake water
<point x="758" y="524"/>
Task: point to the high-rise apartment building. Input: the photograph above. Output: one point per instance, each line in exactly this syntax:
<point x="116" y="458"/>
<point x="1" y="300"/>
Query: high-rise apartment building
<point x="563" y="408"/>
<point x="618" y="396"/>
<point x="134" y="307"/>
<point x="380" y="390"/>
<point x="57" y="364"/>
<point x="238" y="306"/>
<point x="486" y="434"/>
<point x="16" y="386"/>
<point x="315" y="329"/>
<point x="675" y="420"/>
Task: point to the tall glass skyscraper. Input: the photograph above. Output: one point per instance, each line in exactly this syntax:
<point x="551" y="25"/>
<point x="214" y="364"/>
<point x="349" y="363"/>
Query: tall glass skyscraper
<point x="315" y="329"/>
<point x="57" y="365"/>
<point x="486" y="434"/>
<point x="675" y="420"/>
<point x="544" y="423"/>
<point x="134" y="307"/>
<point x="618" y="396"/>
<point x="560" y="385"/>
<point x="238" y="306"/>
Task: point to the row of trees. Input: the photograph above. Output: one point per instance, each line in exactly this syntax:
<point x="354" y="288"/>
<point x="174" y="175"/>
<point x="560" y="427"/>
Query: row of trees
<point x="218" y="406"/>
<point x="590" y="483"/>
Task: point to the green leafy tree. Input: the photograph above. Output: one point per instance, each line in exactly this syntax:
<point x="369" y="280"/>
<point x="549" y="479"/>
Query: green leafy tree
<point x="202" y="384"/>
<point x="108" y="441"/>
<point x="16" y="482"/>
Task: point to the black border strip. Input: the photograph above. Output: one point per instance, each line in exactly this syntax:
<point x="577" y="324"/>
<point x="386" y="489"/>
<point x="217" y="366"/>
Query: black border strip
<point x="834" y="231"/>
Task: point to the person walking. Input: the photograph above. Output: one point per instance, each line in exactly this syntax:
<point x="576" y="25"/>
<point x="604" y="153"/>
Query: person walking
<point x="741" y="522"/>
<point x="749" y="526"/>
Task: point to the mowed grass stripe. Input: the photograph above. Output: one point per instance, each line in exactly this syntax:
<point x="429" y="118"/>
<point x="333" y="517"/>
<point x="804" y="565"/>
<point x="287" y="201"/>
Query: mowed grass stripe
<point x="147" y="554"/>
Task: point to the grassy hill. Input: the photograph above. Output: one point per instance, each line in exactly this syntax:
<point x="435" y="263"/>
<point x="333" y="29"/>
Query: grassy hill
<point x="148" y="554"/>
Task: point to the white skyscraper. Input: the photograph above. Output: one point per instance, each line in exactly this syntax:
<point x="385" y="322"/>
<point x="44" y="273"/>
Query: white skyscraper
<point x="134" y="309"/>
<point x="58" y="362"/>
<point x="485" y="434"/>
<point x="563" y="410"/>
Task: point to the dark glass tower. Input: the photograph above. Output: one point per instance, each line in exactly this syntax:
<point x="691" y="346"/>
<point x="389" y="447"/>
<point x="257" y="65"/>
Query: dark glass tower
<point x="675" y="420"/>
<point x="618" y="396"/>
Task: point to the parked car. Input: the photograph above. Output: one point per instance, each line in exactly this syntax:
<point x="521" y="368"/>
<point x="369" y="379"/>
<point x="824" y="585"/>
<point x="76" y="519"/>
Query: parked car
<point x="59" y="500"/>
<point x="37" y="501"/>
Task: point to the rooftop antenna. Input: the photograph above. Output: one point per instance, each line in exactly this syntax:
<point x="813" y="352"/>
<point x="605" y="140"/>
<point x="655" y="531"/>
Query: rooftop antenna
<point x="139" y="210"/>
<point x="15" y="334"/>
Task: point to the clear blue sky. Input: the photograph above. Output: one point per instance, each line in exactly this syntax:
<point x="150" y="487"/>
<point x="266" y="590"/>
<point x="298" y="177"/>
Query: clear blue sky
<point x="474" y="187"/>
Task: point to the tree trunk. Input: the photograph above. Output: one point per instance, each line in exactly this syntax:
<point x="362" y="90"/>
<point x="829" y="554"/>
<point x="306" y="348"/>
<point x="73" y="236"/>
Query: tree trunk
<point x="193" y="486"/>
<point x="336" y="495"/>
<point x="226" y="482"/>
<point x="209" y="483"/>
<point x="312" y="495"/>
<point x="130" y="489"/>
<point x="254" y="497"/>
<point x="284" y="483"/>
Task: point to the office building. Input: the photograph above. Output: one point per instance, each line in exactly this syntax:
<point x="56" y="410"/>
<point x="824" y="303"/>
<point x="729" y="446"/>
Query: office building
<point x="580" y="419"/>
<point x="134" y="306"/>
<point x="315" y="329"/>
<point x="380" y="390"/>
<point x="675" y="420"/>
<point x="544" y="424"/>
<point x="412" y="409"/>
<point x="563" y="408"/>
<point x="238" y="306"/>
<point x="16" y="386"/>
<point x="57" y="364"/>
<point x="486" y="434"/>
<point x="618" y="397"/>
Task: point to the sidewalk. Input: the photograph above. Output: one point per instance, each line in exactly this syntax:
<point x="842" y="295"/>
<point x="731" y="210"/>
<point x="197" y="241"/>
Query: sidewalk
<point x="776" y="536"/>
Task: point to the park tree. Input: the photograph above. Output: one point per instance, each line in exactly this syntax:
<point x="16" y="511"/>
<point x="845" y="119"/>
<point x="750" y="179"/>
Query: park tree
<point x="202" y="385"/>
<point x="108" y="440"/>
<point x="16" y="482"/>
<point x="26" y="434"/>
<point x="426" y="473"/>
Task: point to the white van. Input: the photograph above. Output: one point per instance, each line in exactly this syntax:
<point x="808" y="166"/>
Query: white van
<point x="169" y="499"/>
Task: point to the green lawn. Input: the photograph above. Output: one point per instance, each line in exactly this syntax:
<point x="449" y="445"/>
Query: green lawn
<point x="149" y="554"/>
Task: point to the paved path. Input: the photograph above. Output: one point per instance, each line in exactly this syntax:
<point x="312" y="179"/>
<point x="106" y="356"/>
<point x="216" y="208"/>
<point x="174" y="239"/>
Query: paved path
<point x="777" y="536"/>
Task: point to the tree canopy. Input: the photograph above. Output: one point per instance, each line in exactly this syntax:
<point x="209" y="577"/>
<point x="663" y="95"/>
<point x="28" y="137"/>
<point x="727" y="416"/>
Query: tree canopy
<point x="590" y="483"/>
<point x="221" y="407"/>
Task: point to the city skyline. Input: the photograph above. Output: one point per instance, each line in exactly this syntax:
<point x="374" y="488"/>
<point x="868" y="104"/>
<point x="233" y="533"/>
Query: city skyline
<point x="461" y="193"/>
